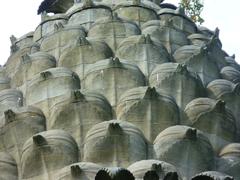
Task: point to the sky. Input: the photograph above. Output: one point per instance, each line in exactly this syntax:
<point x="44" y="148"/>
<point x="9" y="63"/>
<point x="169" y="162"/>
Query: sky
<point x="20" y="17"/>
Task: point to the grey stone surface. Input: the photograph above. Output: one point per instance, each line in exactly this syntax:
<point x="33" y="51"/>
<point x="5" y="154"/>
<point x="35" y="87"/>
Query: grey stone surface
<point x="229" y="160"/>
<point x="81" y="55"/>
<point x="144" y="52"/>
<point x="214" y="119"/>
<point x="186" y="149"/>
<point x="8" y="167"/>
<point x="45" y="153"/>
<point x="231" y="74"/>
<point x="78" y="112"/>
<point x="149" y="110"/>
<point x="47" y="88"/>
<point x="112" y="77"/>
<point x="212" y="175"/>
<point x="166" y="33"/>
<point x="121" y="139"/>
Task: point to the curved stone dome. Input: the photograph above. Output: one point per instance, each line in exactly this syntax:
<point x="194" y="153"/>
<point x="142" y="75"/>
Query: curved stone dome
<point x="144" y="52"/>
<point x="212" y="175"/>
<point x="47" y="88"/>
<point x="79" y="111"/>
<point x="179" y="19"/>
<point x="229" y="160"/>
<point x="86" y="13"/>
<point x="199" y="39"/>
<point x="47" y="24"/>
<point x="82" y="170"/>
<point x="113" y="30"/>
<point x="8" y="167"/>
<point x="122" y="140"/>
<point x="177" y="81"/>
<point x="149" y="110"/>
<point x="196" y="58"/>
<point x="212" y="117"/>
<point x="231" y="74"/>
<point x="112" y="77"/>
<point x="62" y="37"/>
<point x="84" y="53"/>
<point x="185" y="148"/>
<point x="166" y="33"/>
<point x="136" y="11"/>
<point x="232" y="62"/>
<point x="228" y="92"/>
<point x="140" y="169"/>
<point x="45" y="153"/>
<point x="19" y="125"/>
<point x="31" y="65"/>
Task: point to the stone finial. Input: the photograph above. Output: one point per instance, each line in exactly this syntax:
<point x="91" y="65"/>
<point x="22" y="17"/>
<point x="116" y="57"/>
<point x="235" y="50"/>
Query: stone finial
<point x="136" y="2"/>
<point x="39" y="140"/>
<point x="45" y="75"/>
<point x="156" y="167"/>
<point x="58" y="26"/>
<point x="180" y="10"/>
<point x="25" y="58"/>
<point x="182" y="69"/>
<point x="82" y="41"/>
<point x="216" y="32"/>
<point x="75" y="171"/>
<point x="88" y="3"/>
<point x="151" y="93"/>
<point x="9" y="116"/>
<point x="171" y="176"/>
<point x="78" y="95"/>
<point x="151" y="175"/>
<point x="115" y="128"/>
<point x="219" y="106"/>
<point x="115" y="62"/>
<point x="233" y="56"/>
<point x="13" y="39"/>
<point x="191" y="134"/>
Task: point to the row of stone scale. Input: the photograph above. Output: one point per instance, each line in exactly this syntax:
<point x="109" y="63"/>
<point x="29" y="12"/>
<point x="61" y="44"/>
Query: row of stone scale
<point x="153" y="70"/>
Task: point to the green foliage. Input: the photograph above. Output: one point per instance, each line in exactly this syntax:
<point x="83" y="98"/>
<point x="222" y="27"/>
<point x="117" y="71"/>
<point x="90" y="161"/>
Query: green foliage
<point x="193" y="9"/>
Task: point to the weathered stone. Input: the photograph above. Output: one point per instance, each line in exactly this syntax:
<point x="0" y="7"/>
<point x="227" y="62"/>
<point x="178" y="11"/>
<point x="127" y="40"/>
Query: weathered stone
<point x="229" y="93"/>
<point x="229" y="160"/>
<point x="86" y="13"/>
<point x="55" y="6"/>
<point x="143" y="52"/>
<point x="9" y="98"/>
<point x="30" y="65"/>
<point x="47" y="24"/>
<point x="214" y="119"/>
<point x="121" y="139"/>
<point x="84" y="53"/>
<point x="113" y="30"/>
<point x="232" y="62"/>
<point x="112" y="77"/>
<point x="199" y="39"/>
<point x="197" y="59"/>
<point x="177" y="81"/>
<point x="8" y="167"/>
<point x="179" y="19"/>
<point x="212" y="175"/>
<point x="149" y="110"/>
<point x="78" y="112"/>
<point x="135" y="11"/>
<point x="141" y="169"/>
<point x="62" y="37"/>
<point x="82" y="170"/>
<point x="231" y="74"/>
<point x="19" y="125"/>
<point x="45" y="153"/>
<point x="186" y="149"/>
<point x="47" y="88"/>
<point x="166" y="33"/>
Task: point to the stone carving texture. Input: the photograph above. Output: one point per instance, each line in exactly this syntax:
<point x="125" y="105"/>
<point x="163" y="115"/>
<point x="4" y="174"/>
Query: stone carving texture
<point x="172" y="88"/>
